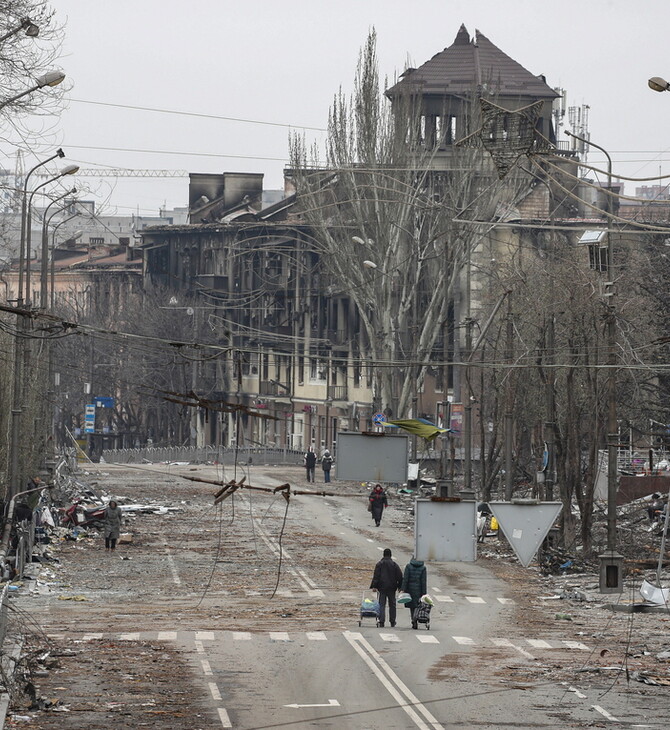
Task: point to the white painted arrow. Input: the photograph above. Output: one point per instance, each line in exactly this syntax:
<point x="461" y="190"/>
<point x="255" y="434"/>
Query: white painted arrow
<point x="331" y="703"/>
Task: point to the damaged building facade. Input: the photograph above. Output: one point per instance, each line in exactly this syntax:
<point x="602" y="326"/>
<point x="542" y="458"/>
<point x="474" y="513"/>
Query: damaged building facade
<point x="293" y="352"/>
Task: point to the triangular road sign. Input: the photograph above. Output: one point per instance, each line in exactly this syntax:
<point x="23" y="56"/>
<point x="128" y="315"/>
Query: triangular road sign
<point x="525" y="525"/>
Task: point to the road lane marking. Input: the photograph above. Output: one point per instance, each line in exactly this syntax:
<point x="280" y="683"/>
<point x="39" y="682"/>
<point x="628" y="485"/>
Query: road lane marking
<point x="429" y="639"/>
<point x="225" y="720"/>
<point x="206" y="668"/>
<point x="204" y="636"/>
<point x="171" y="563"/>
<point x="279" y="636"/>
<point x="576" y="645"/>
<point x="392" y="683"/>
<point x="216" y="695"/>
<point x="444" y="599"/>
<point x="369" y="539"/>
<point x="475" y="599"/>
<point x="129" y="637"/>
<point x="463" y="640"/>
<point x="167" y="636"/>
<point x="604" y="713"/>
<point x="330" y="703"/>
<point x="508" y="643"/>
<point x="90" y="637"/>
<point x="577" y="692"/>
<point x="539" y="643"/>
<point x="241" y="636"/>
<point x="389" y="637"/>
<point x="199" y="647"/>
<point x="506" y="601"/>
<point x="316" y="636"/>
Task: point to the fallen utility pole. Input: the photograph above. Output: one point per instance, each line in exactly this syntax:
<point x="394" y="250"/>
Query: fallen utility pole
<point x="271" y="490"/>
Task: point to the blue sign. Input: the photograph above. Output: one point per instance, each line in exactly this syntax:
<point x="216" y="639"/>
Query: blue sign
<point x="102" y="401"/>
<point x="378" y="419"/>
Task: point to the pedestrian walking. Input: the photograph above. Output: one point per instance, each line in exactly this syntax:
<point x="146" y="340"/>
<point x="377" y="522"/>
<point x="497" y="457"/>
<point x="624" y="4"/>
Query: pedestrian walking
<point x="112" y="525"/>
<point x="414" y="582"/>
<point x="310" y="463"/>
<point x="326" y="464"/>
<point x="376" y="503"/>
<point x="386" y="580"/>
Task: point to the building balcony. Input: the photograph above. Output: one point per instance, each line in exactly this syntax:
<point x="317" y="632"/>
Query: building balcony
<point x="338" y="392"/>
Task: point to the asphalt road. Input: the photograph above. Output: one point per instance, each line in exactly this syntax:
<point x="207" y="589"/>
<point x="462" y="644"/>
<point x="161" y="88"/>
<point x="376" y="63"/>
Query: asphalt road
<point x="201" y="582"/>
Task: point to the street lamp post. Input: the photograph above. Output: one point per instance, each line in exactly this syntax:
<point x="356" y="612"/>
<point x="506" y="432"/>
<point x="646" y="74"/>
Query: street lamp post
<point x="31" y="30"/>
<point x="76" y="235"/>
<point x="611" y="562"/>
<point x="67" y="170"/>
<point x="44" y="262"/>
<point x="50" y="78"/>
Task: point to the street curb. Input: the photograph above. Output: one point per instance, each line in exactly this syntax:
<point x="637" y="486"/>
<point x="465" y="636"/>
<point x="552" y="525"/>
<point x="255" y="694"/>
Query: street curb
<point x="631" y="608"/>
<point x="9" y="660"/>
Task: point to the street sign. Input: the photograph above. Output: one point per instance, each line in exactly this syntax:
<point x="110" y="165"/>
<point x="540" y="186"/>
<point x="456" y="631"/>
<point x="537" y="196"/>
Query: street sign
<point x="525" y="525"/>
<point x="378" y="419"/>
<point x="102" y="401"/>
<point x="89" y="418"/>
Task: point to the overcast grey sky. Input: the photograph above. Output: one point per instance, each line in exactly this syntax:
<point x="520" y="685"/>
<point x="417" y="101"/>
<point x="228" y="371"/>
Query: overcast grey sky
<point x="282" y="62"/>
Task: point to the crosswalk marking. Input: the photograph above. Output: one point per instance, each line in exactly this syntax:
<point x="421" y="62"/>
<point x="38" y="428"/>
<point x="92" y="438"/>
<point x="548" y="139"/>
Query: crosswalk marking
<point x="427" y="639"/>
<point x="475" y="599"/>
<point x="204" y="636"/>
<point x="91" y="637"/>
<point x="539" y="643"/>
<point x="444" y="599"/>
<point x="576" y="645"/>
<point x="129" y="637"/>
<point x="464" y="640"/>
<point x="223" y="716"/>
<point x="285" y="594"/>
<point x="501" y="642"/>
<point x="389" y="637"/>
<point x="506" y="601"/>
<point x="316" y="636"/>
<point x="279" y="636"/>
<point x="167" y="636"/>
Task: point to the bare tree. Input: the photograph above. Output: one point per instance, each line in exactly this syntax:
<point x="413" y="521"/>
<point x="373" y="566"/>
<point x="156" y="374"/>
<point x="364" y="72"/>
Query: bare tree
<point x="384" y="218"/>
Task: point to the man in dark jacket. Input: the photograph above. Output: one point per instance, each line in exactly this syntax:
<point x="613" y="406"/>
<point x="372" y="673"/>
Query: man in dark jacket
<point x="310" y="464"/>
<point x="326" y="464"/>
<point x="386" y="580"/>
<point x="414" y="582"/>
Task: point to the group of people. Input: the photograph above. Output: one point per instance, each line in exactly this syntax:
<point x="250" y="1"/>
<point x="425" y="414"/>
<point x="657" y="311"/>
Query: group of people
<point x="309" y="461"/>
<point x="388" y="578"/>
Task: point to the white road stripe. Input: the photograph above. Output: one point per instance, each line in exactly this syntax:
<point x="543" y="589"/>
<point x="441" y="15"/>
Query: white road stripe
<point x="463" y="640"/>
<point x="285" y="594"/>
<point x="444" y="599"/>
<point x="508" y="643"/>
<point x="90" y="637"/>
<point x="389" y="637"/>
<point x="167" y="636"/>
<point x="506" y="601"/>
<point x="225" y="720"/>
<point x="316" y="636"/>
<point x="206" y="668"/>
<point x="576" y="645"/>
<point x="241" y="636"/>
<point x="577" y="692"/>
<point x="388" y="678"/>
<point x="171" y="563"/>
<point x="199" y="647"/>
<point x="129" y="637"/>
<point x="427" y="639"/>
<point x="216" y="695"/>
<point x="475" y="599"/>
<point x="435" y="589"/>
<point x="204" y="636"/>
<point x="279" y="636"/>
<point x="604" y="713"/>
<point x="538" y="643"/>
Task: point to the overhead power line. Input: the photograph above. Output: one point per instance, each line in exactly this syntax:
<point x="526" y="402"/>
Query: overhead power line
<point x="197" y="114"/>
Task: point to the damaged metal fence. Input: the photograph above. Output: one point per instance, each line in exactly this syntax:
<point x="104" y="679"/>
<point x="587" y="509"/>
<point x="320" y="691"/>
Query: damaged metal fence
<point x="205" y="454"/>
